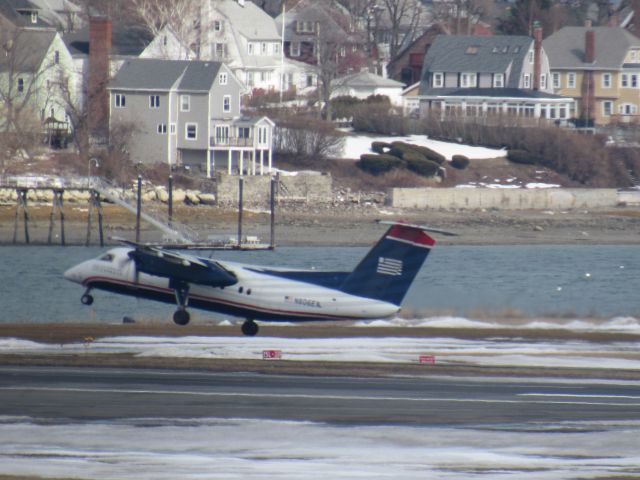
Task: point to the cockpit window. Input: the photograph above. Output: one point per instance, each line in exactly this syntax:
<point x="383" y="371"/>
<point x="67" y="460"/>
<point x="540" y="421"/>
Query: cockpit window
<point x="107" y="257"/>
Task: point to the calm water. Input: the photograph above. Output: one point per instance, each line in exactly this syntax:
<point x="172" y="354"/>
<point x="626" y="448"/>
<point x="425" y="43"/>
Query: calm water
<point x="534" y="280"/>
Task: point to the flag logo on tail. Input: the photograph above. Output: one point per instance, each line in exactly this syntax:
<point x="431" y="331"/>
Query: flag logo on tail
<point x="389" y="266"/>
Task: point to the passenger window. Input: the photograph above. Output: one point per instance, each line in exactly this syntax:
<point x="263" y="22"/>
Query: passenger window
<point x="107" y="257"/>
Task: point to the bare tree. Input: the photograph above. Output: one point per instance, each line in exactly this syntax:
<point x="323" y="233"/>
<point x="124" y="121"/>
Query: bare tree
<point x="178" y="17"/>
<point x="403" y="18"/>
<point x="26" y="95"/>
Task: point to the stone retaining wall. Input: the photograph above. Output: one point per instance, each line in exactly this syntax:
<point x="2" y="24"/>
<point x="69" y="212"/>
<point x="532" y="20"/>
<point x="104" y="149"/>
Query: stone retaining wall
<point x="499" y="198"/>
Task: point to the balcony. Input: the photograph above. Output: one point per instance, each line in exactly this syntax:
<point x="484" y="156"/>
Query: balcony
<point x="231" y="141"/>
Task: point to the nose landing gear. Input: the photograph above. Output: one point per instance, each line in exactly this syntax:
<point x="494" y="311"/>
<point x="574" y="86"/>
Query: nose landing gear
<point x="87" y="298"/>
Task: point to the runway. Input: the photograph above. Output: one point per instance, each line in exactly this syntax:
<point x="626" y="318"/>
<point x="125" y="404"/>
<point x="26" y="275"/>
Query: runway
<point x="110" y="394"/>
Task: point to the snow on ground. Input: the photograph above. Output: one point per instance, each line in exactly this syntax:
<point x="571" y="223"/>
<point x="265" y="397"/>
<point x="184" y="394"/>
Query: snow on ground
<point x="356" y="145"/>
<point x="493" y="351"/>
<point x="158" y="449"/>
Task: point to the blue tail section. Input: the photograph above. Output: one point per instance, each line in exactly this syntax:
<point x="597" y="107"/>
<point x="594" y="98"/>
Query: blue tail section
<point x="387" y="271"/>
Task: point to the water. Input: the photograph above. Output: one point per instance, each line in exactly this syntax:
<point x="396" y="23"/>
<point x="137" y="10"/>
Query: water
<point x="601" y="281"/>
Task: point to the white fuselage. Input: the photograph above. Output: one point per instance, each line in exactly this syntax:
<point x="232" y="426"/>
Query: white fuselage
<point x="256" y="295"/>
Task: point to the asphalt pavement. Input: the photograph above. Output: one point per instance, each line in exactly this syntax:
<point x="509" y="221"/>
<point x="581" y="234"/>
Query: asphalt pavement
<point x="108" y="394"/>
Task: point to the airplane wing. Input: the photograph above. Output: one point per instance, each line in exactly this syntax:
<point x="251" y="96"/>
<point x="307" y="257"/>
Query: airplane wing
<point x="180" y="267"/>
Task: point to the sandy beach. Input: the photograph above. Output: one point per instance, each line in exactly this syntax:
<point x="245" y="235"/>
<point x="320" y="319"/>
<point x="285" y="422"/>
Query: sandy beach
<point x="343" y="224"/>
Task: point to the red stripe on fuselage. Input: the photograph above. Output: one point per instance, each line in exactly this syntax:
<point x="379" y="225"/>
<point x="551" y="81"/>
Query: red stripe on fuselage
<point x="87" y="282"/>
<point x="409" y="234"/>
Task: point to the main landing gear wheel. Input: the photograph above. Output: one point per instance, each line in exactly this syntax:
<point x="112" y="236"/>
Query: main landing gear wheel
<point x="250" y="328"/>
<point x="181" y="317"/>
<point x="86" y="299"/>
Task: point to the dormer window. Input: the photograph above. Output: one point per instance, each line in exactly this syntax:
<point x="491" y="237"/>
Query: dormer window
<point x="222" y="79"/>
<point x="468" y="80"/>
<point x="438" y="80"/>
<point x="498" y="80"/>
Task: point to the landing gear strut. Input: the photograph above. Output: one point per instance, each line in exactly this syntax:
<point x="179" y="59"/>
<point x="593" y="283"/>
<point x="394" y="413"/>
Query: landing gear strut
<point x="87" y="298"/>
<point x="181" y="315"/>
<point x="250" y="328"/>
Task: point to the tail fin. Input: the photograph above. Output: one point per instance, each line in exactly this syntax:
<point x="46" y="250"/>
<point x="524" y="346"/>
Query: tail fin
<point x="387" y="271"/>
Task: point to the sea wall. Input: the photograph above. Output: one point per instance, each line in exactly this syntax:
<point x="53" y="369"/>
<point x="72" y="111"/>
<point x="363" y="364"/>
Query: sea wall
<point x="501" y="198"/>
<point x="304" y="187"/>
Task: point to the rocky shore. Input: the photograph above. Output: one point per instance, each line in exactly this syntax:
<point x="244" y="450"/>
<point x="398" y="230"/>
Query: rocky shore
<point x="346" y="223"/>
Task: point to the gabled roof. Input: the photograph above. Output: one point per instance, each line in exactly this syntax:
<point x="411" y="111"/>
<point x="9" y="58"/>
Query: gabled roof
<point x="10" y="9"/>
<point x="566" y="47"/>
<point x="367" y="79"/>
<point x="312" y="12"/>
<point x="151" y="74"/>
<point x="126" y="40"/>
<point x="248" y="19"/>
<point x="482" y="54"/>
<point x="29" y="48"/>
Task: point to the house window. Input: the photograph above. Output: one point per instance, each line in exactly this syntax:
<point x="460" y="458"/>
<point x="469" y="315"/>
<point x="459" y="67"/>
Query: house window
<point x="217" y="25"/>
<point x="162" y="128"/>
<point x="244" y="132"/>
<point x="343" y="51"/>
<point x="543" y="82"/>
<point x="438" y="80"/>
<point x="220" y="50"/>
<point x="294" y="51"/>
<point x="627" y="109"/>
<point x="250" y="79"/>
<point x="250" y="48"/>
<point x="222" y="79"/>
<point x="56" y="57"/>
<point x="310" y="80"/>
<point x="121" y="100"/>
<point x="571" y="80"/>
<point x="172" y="129"/>
<point x="20" y="85"/>
<point x="226" y="103"/>
<point x="530" y="56"/>
<point x="498" y="80"/>
<point x="606" y="80"/>
<point x="154" y="101"/>
<point x="624" y="80"/>
<point x="632" y="56"/>
<point x="468" y="80"/>
<point x="634" y="81"/>
<point x="262" y="136"/>
<point x="276" y="48"/>
<point x="265" y="76"/>
<point x="607" y="108"/>
<point x="526" y="83"/>
<point x="185" y="103"/>
<point x="555" y="79"/>
<point x="263" y="48"/>
<point x="191" y="131"/>
<point x="222" y="135"/>
<point x="34" y="17"/>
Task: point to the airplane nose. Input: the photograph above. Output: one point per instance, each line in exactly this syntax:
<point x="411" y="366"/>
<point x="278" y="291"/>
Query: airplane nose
<point x="73" y="274"/>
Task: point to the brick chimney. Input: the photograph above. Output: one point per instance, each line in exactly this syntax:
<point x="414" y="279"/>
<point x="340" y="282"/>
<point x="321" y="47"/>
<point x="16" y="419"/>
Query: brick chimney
<point x="589" y="46"/>
<point x="99" y="75"/>
<point x="537" y="52"/>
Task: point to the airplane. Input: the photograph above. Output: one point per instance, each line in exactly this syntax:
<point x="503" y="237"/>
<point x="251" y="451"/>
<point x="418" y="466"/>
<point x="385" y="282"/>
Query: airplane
<point x="373" y="290"/>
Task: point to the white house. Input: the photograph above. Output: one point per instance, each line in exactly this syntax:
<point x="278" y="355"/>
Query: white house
<point x="364" y="84"/>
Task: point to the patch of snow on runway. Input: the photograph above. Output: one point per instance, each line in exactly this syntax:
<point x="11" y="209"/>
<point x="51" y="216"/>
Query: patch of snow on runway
<point x="159" y="449"/>
<point x="495" y="350"/>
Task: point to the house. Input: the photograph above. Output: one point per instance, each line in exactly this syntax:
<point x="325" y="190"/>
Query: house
<point x="600" y="68"/>
<point x="490" y="76"/>
<point x="411" y="100"/>
<point x="364" y="84"/>
<point x="245" y="38"/>
<point x="188" y="113"/>
<point x="35" y="71"/>
<point x="20" y="13"/>
<point x="406" y="67"/>
<point x="314" y="31"/>
<point x="64" y="15"/>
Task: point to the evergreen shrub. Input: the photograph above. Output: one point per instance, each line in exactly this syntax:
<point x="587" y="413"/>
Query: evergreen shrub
<point x="379" y="164"/>
<point x="459" y="161"/>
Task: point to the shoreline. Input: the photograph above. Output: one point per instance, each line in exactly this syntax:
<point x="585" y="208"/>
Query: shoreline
<point x="341" y="225"/>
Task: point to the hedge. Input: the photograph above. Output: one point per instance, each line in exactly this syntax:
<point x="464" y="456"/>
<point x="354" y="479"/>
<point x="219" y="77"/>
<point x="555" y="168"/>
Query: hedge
<point x="459" y="161"/>
<point x="380" y="147"/>
<point x="424" y="151"/>
<point x="522" y="157"/>
<point x="378" y="164"/>
<point x="423" y="167"/>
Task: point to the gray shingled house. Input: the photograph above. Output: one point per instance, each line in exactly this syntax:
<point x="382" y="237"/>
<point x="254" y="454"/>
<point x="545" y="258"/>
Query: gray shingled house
<point x="188" y="113"/>
<point x="490" y="75"/>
